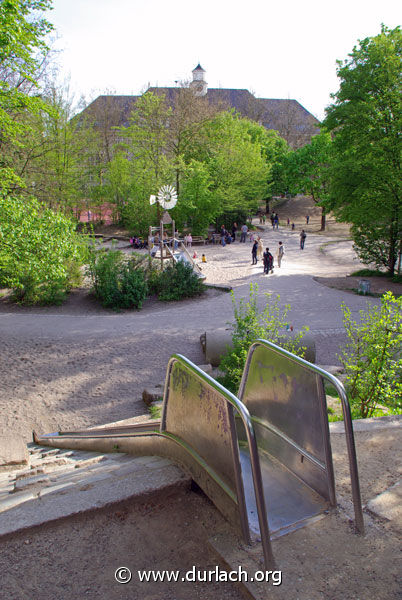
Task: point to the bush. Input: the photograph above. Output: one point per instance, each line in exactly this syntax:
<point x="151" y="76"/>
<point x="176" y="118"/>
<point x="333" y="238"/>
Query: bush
<point x="372" y="358"/>
<point x="40" y="251"/>
<point x="133" y="288"/>
<point x="251" y="324"/>
<point x="176" y="282"/>
<point x="117" y="283"/>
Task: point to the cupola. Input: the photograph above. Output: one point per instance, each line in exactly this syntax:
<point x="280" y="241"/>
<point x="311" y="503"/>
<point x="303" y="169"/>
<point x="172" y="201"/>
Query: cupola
<point x="199" y="84"/>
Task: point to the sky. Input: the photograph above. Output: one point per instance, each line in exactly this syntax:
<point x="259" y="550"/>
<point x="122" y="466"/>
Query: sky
<point x="281" y="49"/>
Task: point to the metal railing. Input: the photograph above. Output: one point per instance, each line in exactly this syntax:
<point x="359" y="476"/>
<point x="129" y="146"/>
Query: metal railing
<point x="354" y="477"/>
<point x="244" y="414"/>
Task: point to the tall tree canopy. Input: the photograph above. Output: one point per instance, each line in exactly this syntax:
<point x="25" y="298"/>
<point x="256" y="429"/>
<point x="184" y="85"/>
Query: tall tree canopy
<point x="219" y="162"/>
<point x="307" y="171"/>
<point x="40" y="251"/>
<point x="366" y="122"/>
<point x="22" y="49"/>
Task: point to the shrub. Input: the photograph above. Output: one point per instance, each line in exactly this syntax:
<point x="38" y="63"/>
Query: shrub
<point x="372" y="357"/>
<point x="40" y="251"/>
<point x="116" y="282"/>
<point x="251" y="324"/>
<point x="133" y="286"/>
<point x="178" y="281"/>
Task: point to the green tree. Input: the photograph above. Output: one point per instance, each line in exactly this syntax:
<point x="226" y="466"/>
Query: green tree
<point x="219" y="164"/>
<point x="189" y="113"/>
<point x="196" y="207"/>
<point x="366" y="122"/>
<point x="22" y="49"/>
<point x="236" y="161"/>
<point x="307" y="171"/>
<point x="40" y="251"/>
<point x="145" y="139"/>
<point x="372" y="357"/>
<point x="55" y="159"/>
<point x="142" y="163"/>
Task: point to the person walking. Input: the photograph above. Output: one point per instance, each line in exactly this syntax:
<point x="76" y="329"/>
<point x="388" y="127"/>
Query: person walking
<point x="280" y="253"/>
<point x="268" y="262"/>
<point x="276" y="221"/>
<point x="243" y="234"/>
<point x="303" y="236"/>
<point x="260" y="248"/>
<point x="223" y="234"/>
<point x="234" y="229"/>
<point x="254" y="252"/>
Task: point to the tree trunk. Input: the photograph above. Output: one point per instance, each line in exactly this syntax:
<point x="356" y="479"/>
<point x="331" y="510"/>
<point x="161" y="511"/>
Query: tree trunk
<point x="392" y="247"/>
<point x="323" y="219"/>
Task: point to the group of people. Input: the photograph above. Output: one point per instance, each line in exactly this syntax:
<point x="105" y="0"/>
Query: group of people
<point x="138" y="243"/>
<point x="188" y="240"/>
<point x="226" y="236"/>
<point x="274" y="220"/>
<point x="267" y="257"/>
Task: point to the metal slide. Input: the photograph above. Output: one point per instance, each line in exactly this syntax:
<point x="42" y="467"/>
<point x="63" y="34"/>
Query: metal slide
<point x="264" y="458"/>
<point x="183" y="255"/>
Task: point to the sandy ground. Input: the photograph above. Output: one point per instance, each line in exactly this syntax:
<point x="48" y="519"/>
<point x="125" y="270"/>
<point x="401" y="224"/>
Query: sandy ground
<point x="77" y="365"/>
<point x="325" y="561"/>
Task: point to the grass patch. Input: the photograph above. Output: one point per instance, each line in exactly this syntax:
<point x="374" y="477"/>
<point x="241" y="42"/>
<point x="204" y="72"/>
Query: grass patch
<point x="156" y="410"/>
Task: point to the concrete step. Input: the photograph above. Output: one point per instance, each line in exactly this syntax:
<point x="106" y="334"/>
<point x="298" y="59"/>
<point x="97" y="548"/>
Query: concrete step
<point x="58" y="484"/>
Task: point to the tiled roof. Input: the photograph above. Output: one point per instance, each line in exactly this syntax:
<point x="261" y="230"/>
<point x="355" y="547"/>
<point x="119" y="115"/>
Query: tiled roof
<point x="278" y="114"/>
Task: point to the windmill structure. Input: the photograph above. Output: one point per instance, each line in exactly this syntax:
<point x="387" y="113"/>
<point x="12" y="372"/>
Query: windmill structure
<point x="166" y="199"/>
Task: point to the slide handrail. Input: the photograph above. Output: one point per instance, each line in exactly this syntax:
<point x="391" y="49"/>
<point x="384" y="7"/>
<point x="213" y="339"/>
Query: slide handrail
<point x="347" y="417"/>
<point x="251" y="440"/>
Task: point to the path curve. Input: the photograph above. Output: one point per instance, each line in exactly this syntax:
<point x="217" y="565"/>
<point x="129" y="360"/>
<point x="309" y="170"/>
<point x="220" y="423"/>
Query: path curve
<point x="62" y="370"/>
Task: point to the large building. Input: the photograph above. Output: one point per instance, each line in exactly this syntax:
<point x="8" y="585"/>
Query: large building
<point x="292" y="121"/>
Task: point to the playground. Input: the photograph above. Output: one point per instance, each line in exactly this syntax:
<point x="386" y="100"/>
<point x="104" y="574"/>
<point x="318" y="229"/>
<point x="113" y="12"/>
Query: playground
<point x="78" y="365"/>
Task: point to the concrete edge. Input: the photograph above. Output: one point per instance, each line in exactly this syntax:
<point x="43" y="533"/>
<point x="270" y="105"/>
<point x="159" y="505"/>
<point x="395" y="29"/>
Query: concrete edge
<point x="372" y="424"/>
<point x="134" y="500"/>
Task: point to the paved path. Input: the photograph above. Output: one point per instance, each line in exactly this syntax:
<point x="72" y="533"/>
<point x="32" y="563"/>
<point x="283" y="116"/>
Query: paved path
<point x="63" y="368"/>
<point x="312" y="304"/>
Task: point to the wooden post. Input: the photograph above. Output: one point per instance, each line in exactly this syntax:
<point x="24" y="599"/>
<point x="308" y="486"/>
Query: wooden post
<point x="149" y="241"/>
